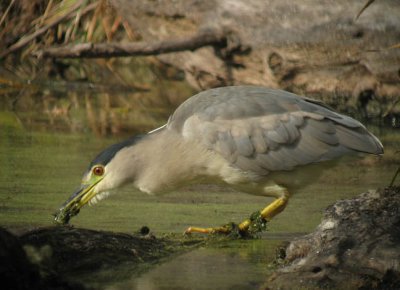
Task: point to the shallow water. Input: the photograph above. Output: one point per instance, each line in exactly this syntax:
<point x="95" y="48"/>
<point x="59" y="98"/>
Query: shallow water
<point x="233" y="265"/>
<point x="46" y="144"/>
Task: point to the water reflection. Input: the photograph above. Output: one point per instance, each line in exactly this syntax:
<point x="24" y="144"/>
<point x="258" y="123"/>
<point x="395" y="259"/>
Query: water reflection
<point x="234" y="265"/>
<point x="98" y="109"/>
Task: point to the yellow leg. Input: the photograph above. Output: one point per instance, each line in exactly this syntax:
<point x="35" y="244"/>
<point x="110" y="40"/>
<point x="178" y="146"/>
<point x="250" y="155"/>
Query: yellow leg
<point x="268" y="212"/>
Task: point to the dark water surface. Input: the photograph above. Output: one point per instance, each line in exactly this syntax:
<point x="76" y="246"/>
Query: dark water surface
<point x="46" y="142"/>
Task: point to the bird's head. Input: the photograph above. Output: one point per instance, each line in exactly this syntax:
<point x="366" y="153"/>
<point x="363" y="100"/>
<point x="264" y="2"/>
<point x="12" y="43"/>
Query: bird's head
<point x="111" y="169"/>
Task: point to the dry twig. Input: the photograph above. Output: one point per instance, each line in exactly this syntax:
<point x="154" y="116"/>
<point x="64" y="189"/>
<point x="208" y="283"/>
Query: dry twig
<point x="364" y="7"/>
<point x="6" y="12"/>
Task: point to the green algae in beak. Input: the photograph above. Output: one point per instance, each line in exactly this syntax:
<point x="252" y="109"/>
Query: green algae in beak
<point x="77" y="200"/>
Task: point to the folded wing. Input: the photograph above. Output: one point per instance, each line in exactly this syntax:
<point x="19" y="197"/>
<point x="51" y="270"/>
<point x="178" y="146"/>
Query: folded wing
<point x="262" y="130"/>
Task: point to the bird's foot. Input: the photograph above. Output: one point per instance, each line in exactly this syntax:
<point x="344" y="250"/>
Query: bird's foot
<point x="248" y="228"/>
<point x="256" y="223"/>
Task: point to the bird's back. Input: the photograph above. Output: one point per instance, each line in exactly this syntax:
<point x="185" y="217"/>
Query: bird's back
<point x="262" y="130"/>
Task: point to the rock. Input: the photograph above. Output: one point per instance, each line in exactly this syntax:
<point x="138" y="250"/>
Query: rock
<point x="16" y="272"/>
<point x="19" y="273"/>
<point x="356" y="246"/>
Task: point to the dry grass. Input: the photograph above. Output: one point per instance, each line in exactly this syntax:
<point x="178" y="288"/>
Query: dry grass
<point x="44" y="23"/>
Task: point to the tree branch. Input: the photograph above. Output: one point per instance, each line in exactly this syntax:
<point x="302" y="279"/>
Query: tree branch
<point x="106" y="50"/>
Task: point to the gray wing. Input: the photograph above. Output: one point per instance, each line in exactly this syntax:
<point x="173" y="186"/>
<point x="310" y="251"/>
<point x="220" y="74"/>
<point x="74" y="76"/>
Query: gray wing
<point x="262" y="130"/>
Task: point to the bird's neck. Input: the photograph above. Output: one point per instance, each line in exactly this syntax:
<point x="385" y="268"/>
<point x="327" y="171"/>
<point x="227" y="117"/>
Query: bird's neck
<point x="167" y="161"/>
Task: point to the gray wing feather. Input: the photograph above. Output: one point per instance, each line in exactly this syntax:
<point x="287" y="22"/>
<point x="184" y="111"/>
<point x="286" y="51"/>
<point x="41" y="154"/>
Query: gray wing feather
<point x="262" y="130"/>
<point x="279" y="134"/>
<point x="226" y="144"/>
<point x="357" y="139"/>
<point x="258" y="140"/>
<point x="323" y="131"/>
<point x="248" y="164"/>
<point x="241" y="137"/>
<point x="292" y="127"/>
<point x="244" y="146"/>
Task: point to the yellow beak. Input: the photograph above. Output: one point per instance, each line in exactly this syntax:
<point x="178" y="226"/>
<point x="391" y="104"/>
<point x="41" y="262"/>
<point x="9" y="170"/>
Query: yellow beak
<point x="77" y="200"/>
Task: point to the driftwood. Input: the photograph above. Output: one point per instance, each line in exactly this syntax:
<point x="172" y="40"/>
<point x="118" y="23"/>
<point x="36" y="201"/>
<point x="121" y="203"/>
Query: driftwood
<point x="91" y="50"/>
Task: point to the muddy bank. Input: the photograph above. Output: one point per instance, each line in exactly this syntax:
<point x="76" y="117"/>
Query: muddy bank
<point x="356" y="246"/>
<point x="68" y="258"/>
<point x="316" y="48"/>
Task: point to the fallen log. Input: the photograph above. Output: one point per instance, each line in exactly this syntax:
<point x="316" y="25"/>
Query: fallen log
<point x="107" y="50"/>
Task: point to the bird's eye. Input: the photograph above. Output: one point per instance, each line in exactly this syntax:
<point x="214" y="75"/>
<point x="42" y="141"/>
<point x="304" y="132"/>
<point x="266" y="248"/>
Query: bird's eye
<point x="98" y="170"/>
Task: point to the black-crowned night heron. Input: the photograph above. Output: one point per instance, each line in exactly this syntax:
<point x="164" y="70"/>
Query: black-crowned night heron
<point x="261" y="141"/>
